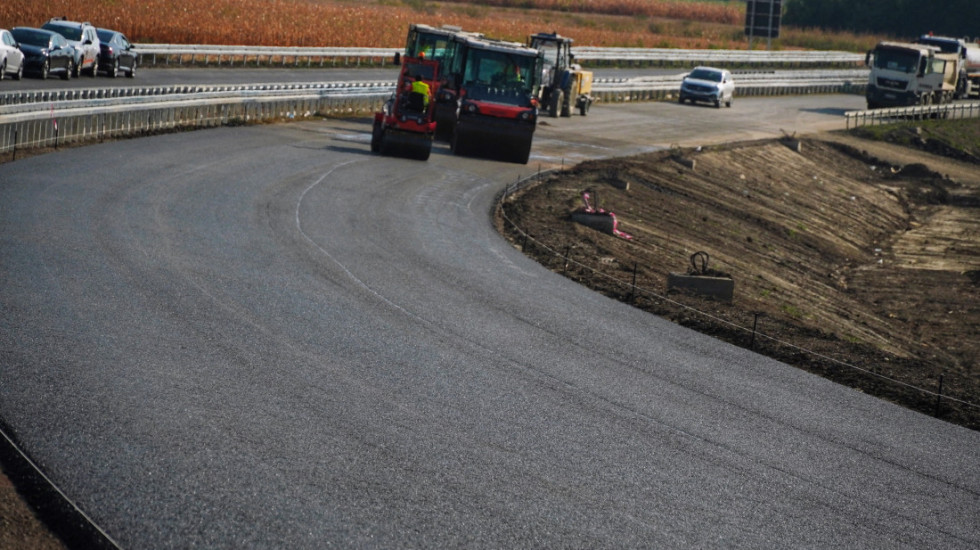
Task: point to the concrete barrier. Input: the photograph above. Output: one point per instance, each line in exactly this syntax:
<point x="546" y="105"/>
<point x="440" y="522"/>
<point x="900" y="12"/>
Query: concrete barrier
<point x="720" y="288"/>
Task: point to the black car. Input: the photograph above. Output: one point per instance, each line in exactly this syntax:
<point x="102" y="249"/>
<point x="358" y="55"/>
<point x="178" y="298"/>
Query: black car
<point x="45" y="52"/>
<point x="117" y="54"/>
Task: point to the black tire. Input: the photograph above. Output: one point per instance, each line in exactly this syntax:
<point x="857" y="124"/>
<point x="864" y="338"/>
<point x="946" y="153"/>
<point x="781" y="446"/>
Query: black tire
<point x="376" y="134"/>
<point x="584" y="108"/>
<point x="45" y="69"/>
<point x="67" y="74"/>
<point x="78" y="68"/>
<point x="95" y="67"/>
<point x="113" y="71"/>
<point x="557" y="99"/>
<point x="522" y="155"/>
<point x="729" y="102"/>
<point x="423" y="152"/>
<point x="20" y="72"/>
<point x="566" y="107"/>
<point x="3" y="70"/>
<point x="132" y="71"/>
<point x="459" y="146"/>
<point x="717" y="104"/>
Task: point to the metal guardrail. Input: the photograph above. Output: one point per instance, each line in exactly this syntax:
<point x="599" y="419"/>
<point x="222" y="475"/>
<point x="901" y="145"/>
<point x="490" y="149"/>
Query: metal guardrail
<point x="606" y="87"/>
<point x="23" y="101"/>
<point x="49" y="118"/>
<point x="95" y="120"/>
<point x="167" y="54"/>
<point x="873" y="117"/>
<point x="722" y="57"/>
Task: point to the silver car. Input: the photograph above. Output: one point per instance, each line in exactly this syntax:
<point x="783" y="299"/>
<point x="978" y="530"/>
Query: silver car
<point x="83" y="38"/>
<point x="11" y="58"/>
<point x="708" y="84"/>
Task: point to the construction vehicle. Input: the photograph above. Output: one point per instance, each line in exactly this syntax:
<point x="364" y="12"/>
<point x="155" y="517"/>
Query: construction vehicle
<point x="563" y="83"/>
<point x="405" y="126"/>
<point x="955" y="47"/>
<point x="973" y="70"/>
<point x="438" y="44"/>
<point x="497" y="99"/>
<point x="905" y="74"/>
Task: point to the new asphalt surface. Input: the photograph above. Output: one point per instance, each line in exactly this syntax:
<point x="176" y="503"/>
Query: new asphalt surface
<point x="267" y="336"/>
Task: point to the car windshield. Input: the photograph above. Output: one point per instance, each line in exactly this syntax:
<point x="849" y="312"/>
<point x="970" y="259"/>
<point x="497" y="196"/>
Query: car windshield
<point x="897" y="60"/>
<point x="501" y="77"/>
<point x="420" y="71"/>
<point x="705" y="74"/>
<point x="68" y="32"/>
<point x="105" y="36"/>
<point x="32" y="38"/>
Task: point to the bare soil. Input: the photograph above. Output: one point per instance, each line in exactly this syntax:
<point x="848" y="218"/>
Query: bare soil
<point x="856" y="260"/>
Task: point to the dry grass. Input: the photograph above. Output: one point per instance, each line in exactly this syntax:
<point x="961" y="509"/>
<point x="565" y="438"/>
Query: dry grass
<point x="382" y="23"/>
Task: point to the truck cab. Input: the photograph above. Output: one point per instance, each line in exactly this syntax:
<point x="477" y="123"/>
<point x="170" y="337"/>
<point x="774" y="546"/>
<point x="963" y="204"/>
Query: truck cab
<point x="904" y="74"/>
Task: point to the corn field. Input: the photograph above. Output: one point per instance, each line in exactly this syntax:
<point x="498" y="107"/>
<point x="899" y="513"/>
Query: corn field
<point x="696" y="24"/>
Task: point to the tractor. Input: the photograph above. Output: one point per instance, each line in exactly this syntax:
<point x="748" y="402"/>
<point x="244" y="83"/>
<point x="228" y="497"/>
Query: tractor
<point x="406" y="125"/>
<point x="441" y="44"/>
<point x="563" y="83"/>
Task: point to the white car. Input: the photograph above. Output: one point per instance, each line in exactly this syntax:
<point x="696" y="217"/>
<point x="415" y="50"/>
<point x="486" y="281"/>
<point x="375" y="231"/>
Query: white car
<point x="11" y="58"/>
<point x="708" y="84"/>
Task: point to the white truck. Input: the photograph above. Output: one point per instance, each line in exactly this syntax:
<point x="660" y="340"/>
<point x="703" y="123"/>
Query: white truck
<point x="965" y="84"/>
<point x="973" y="70"/>
<point x="905" y="74"/>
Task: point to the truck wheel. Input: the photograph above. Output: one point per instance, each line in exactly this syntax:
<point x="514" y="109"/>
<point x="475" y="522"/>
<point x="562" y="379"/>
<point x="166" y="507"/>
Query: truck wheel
<point x="584" y="107"/>
<point x="557" y="100"/>
<point x="376" y="137"/>
<point x="566" y="108"/>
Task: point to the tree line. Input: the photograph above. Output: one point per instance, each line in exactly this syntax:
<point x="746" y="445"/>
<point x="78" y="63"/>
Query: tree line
<point x="898" y="18"/>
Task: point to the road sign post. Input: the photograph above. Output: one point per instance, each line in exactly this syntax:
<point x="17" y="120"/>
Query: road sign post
<point x="762" y="18"/>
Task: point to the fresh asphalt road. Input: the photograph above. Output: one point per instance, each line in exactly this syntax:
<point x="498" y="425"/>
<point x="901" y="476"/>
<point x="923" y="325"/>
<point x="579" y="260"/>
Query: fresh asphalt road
<point x="267" y="337"/>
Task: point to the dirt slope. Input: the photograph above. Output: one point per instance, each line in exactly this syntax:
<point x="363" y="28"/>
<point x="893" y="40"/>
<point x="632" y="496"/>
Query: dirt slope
<point x="865" y="253"/>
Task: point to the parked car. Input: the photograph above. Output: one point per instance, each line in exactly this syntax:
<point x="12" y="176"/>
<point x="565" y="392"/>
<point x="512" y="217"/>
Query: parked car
<point x="45" y="52"/>
<point x="11" y="58"/>
<point x="85" y="40"/>
<point x="708" y="84"/>
<point x="117" y="54"/>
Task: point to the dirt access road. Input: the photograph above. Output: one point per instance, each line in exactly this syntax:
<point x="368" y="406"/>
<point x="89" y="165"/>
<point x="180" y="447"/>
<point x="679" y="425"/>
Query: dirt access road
<point x="857" y="260"/>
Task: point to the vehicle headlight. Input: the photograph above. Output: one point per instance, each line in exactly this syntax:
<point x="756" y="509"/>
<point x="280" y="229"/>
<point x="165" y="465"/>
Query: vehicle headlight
<point x="527" y="116"/>
<point x="471" y="108"/>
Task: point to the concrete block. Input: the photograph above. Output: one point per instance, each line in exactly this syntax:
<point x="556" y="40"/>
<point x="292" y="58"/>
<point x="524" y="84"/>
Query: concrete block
<point x="721" y="288"/>
<point x="686" y="162"/>
<point x="599" y="222"/>
<point x="794" y="144"/>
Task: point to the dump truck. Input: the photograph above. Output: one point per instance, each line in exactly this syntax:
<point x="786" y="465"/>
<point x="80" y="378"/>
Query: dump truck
<point x="439" y="44"/>
<point x="405" y="126"/>
<point x="497" y="100"/>
<point x="563" y="82"/>
<point x="956" y="48"/>
<point x="904" y="74"/>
